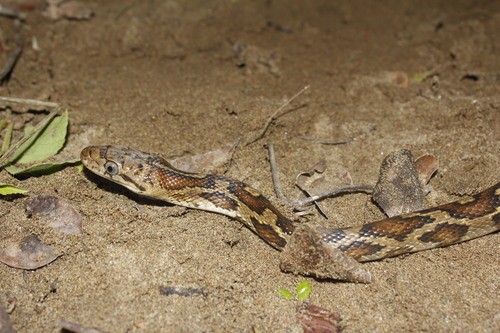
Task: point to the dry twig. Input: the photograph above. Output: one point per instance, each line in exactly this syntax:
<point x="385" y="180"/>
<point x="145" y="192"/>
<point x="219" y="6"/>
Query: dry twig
<point x="12" y="59"/>
<point x="327" y="142"/>
<point x="28" y="101"/>
<point x="10" y="12"/>
<point x="275" y="113"/>
<point x="342" y="189"/>
<point x="275" y="176"/>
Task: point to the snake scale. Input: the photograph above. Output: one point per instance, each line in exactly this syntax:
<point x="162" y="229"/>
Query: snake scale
<point x="152" y="176"/>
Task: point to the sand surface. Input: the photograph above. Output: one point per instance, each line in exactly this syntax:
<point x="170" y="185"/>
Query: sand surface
<point x="186" y="77"/>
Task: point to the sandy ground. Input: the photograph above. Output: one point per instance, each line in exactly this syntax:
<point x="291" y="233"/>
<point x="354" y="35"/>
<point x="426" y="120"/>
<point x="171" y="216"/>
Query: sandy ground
<point x="185" y="77"/>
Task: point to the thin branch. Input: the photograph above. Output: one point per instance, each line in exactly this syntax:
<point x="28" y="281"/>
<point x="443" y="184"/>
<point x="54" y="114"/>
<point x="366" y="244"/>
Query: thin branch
<point x="28" y="101"/>
<point x="9" y="12"/>
<point x="274" y="115"/>
<point x="275" y="176"/>
<point x="349" y="188"/>
<point x="231" y="153"/>
<point x="12" y="59"/>
<point x="327" y="142"/>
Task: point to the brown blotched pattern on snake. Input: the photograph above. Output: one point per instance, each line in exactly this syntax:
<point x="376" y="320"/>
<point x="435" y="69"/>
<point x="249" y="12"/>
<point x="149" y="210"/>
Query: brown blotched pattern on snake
<point x="152" y="176"/>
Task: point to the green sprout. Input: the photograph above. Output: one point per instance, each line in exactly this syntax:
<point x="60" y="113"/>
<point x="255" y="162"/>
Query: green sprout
<point x="302" y="291"/>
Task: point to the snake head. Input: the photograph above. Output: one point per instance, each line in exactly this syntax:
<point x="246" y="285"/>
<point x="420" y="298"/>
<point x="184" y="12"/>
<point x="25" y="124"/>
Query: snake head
<point x="122" y="165"/>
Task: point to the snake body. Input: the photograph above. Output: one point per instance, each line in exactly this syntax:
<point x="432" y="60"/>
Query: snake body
<point x="152" y="176"/>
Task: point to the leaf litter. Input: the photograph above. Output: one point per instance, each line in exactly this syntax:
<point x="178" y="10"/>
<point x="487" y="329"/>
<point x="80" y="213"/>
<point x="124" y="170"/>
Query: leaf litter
<point x="59" y="212"/>
<point x="39" y="143"/>
<point x="427" y="165"/>
<point x="28" y="253"/>
<point x="319" y="179"/>
<point x="398" y="189"/>
<point x="215" y="161"/>
<point x="316" y="319"/>
<point x="307" y="254"/>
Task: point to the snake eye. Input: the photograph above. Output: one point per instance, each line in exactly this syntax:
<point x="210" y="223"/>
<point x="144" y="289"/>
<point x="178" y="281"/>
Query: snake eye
<point x="111" y="168"/>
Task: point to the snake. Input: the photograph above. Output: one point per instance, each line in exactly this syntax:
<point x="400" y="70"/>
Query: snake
<point x="152" y="176"/>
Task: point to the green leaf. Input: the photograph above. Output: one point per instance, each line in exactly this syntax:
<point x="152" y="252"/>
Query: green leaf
<point x="20" y="146"/>
<point x="285" y="293"/>
<point x="48" y="142"/>
<point x="80" y="168"/>
<point x="39" y="169"/>
<point x="419" y="77"/>
<point x="28" y="129"/>
<point x="6" y="189"/>
<point x="303" y="290"/>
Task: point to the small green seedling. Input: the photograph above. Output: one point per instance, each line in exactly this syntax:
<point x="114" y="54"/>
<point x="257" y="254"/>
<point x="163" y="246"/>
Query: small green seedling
<point x="285" y="293"/>
<point x="302" y="291"/>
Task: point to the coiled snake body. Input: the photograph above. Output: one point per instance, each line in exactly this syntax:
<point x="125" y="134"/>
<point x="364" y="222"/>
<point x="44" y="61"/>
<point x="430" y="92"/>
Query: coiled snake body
<point x="152" y="176"/>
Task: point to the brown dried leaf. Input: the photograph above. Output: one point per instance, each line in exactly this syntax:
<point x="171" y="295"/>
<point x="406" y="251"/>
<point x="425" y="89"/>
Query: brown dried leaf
<point x="397" y="78"/>
<point x="307" y="254"/>
<point x="29" y="253"/>
<point x="62" y="216"/>
<point x="319" y="179"/>
<point x="426" y="166"/>
<point x="398" y="189"/>
<point x="215" y="161"/>
<point x="315" y="319"/>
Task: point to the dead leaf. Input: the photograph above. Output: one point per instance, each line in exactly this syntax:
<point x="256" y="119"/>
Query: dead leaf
<point x="426" y="166"/>
<point x="398" y="189"/>
<point x="61" y="215"/>
<point x="215" y="161"/>
<point x="29" y="253"/>
<point x="421" y="76"/>
<point x="320" y="179"/>
<point x="397" y="78"/>
<point x="307" y="254"/>
<point x="316" y="319"/>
